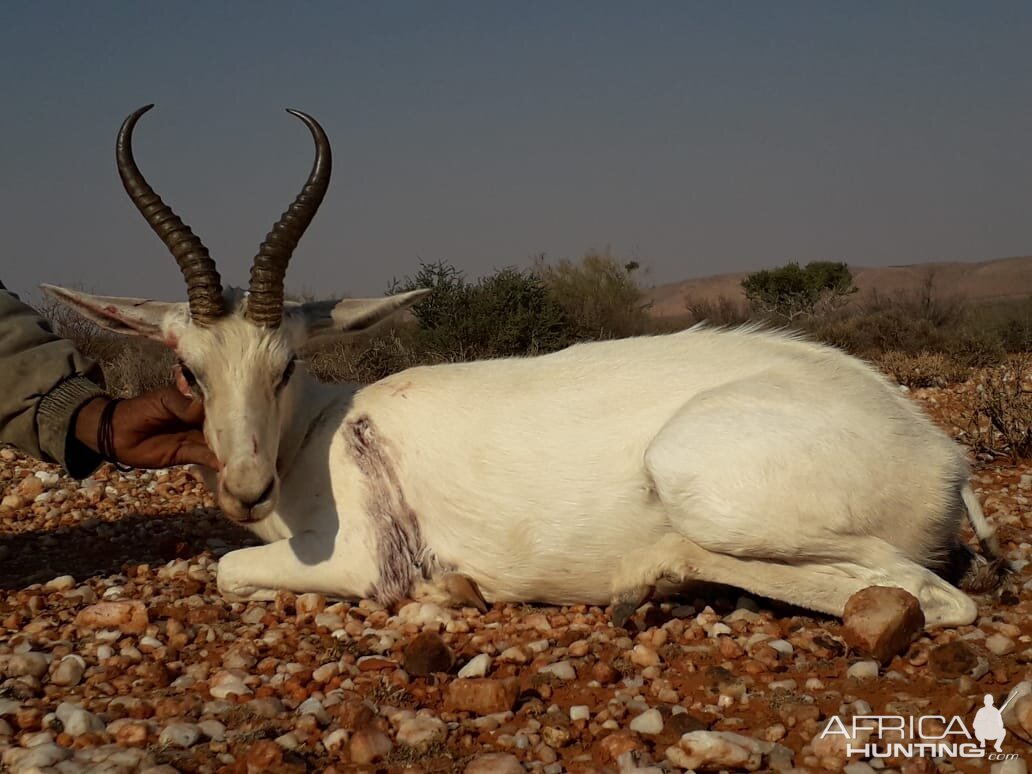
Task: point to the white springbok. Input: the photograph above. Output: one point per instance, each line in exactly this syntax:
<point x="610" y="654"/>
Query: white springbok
<point x="603" y="473"/>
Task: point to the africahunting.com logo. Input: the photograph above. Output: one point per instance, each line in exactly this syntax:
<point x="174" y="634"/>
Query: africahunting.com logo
<point x="934" y="736"/>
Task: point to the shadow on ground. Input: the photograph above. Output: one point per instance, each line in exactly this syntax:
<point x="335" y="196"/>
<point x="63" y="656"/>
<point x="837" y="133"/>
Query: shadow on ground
<point x="107" y="547"/>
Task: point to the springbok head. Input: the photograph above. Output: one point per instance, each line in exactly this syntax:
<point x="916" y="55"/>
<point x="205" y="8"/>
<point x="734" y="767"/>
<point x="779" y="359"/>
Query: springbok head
<point x="236" y="350"/>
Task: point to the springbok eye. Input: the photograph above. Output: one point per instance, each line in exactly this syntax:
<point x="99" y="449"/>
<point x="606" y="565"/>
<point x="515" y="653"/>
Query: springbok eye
<point x="287" y="372"/>
<point x="188" y="375"/>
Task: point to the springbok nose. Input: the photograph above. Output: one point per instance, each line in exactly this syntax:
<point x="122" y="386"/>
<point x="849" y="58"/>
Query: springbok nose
<point x="249" y="502"/>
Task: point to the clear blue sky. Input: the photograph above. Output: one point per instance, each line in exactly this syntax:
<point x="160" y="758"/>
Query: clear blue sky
<point x="694" y="137"/>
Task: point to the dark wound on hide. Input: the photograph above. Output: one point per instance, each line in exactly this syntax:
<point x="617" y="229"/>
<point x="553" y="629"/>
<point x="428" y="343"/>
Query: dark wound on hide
<point x="400" y="551"/>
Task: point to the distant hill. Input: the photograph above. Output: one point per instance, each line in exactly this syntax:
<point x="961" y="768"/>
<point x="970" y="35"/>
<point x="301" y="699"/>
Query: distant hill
<point x="1001" y="279"/>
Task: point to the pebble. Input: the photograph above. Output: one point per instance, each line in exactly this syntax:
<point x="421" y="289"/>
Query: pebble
<point x="421" y="732"/>
<point x="1000" y="645"/>
<point x="77" y="721"/>
<point x="495" y="763"/>
<point x="128" y="616"/>
<point x="481" y="695"/>
<point x="335" y="739"/>
<point x="648" y="722"/>
<point x="580" y="712"/>
<point x="719" y="749"/>
<point x="29" y="664"/>
<point x="562" y="669"/>
<point x="478" y="666"/>
<point x="644" y="656"/>
<point x="427" y="654"/>
<point x="315" y="708"/>
<point x="38" y="758"/>
<point x="213" y="729"/>
<point x="863" y="670"/>
<point x="226" y="684"/>
<point x="179" y="735"/>
<point x="368" y="745"/>
<point x="69" y="671"/>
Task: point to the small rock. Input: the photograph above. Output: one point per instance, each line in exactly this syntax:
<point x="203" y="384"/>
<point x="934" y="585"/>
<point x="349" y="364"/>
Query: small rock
<point x="264" y="755"/>
<point x="30" y="488"/>
<point x="427" y="654"/>
<point x="423" y="615"/>
<point x="477" y="666"/>
<point x="76" y="720"/>
<point x="29" y="664"/>
<point x="69" y="671"/>
<point x="179" y="735"/>
<point x="212" y="729"/>
<point x="132" y="735"/>
<point x="1000" y="645"/>
<point x="648" y="722"/>
<point x="1020" y="717"/>
<point x="613" y="747"/>
<point x="368" y="745"/>
<point x="863" y="670"/>
<point x="495" y="763"/>
<point x="60" y="583"/>
<point x="481" y="696"/>
<point x="225" y="684"/>
<point x="288" y="741"/>
<point x="129" y="617"/>
<point x="882" y="621"/>
<point x="580" y="712"/>
<point x="644" y="656"/>
<point x="39" y="757"/>
<point x="325" y="673"/>
<point x="314" y="708"/>
<point x="421" y="732"/>
<point x="555" y="736"/>
<point x="952" y="659"/>
<point x="718" y="749"/>
<point x="335" y="739"/>
<point x="1013" y="766"/>
<point x="309" y="605"/>
<point x="562" y="669"/>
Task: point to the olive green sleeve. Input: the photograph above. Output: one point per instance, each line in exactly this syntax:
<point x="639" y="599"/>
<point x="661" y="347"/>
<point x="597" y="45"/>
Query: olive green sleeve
<point x="44" y="381"/>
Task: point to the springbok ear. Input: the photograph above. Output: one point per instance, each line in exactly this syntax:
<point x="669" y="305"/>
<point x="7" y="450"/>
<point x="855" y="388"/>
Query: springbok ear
<point x="353" y="315"/>
<point x="130" y="316"/>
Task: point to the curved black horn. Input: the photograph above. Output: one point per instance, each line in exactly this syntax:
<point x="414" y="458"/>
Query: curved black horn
<point x="265" y="300"/>
<point x="204" y="286"/>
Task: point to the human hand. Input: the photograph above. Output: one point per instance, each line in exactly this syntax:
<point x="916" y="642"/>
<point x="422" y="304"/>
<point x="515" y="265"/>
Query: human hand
<point x="157" y="429"/>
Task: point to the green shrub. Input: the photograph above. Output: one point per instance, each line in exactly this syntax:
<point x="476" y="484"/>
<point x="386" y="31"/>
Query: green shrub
<point x="508" y="313"/>
<point x="600" y="296"/>
<point x="791" y="291"/>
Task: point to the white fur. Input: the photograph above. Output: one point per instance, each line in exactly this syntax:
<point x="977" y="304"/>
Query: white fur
<point x="590" y="475"/>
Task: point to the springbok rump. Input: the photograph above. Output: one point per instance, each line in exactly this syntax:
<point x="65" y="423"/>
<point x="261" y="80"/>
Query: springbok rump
<point x="601" y="474"/>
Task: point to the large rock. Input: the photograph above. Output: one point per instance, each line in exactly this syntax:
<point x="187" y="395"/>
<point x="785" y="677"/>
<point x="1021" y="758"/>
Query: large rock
<point x="482" y="695"/>
<point x="882" y="621"/>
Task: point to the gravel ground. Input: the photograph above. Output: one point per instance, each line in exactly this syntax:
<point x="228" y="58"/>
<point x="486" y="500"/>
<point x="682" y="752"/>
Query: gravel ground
<point x="118" y="654"/>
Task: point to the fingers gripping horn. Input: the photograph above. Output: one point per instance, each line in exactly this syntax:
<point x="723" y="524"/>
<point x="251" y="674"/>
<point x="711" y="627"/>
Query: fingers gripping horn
<point x="204" y="286"/>
<point x="265" y="299"/>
